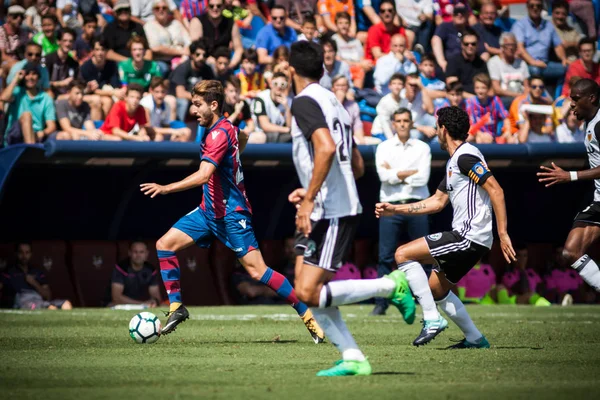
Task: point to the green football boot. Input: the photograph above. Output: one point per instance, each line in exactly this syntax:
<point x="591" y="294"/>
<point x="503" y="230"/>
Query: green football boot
<point x="402" y="297"/>
<point x="347" y="368"/>
<point x="481" y="343"/>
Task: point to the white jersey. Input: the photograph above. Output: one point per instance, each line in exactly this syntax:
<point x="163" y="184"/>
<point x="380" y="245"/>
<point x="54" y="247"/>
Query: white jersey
<point x="466" y="170"/>
<point x="313" y="108"/>
<point x="592" y="145"/>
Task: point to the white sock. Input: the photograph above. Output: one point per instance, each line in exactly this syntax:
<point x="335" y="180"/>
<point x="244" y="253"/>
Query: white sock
<point x="330" y="320"/>
<point x="419" y="285"/>
<point x="351" y="291"/>
<point x="455" y="310"/>
<point x="588" y="269"/>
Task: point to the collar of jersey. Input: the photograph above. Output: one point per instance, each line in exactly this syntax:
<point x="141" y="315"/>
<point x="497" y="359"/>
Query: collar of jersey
<point x="215" y="124"/>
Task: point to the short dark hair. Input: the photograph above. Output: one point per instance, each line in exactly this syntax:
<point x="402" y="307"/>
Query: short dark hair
<point x="233" y="81"/>
<point x="51" y="17"/>
<point x="100" y="40"/>
<point x="560" y="4"/>
<point x="455" y="86"/>
<point x="309" y="18"/>
<point x="79" y="84"/>
<point x="413" y="75"/>
<point x="222" y="52"/>
<point x="428" y="57"/>
<point x="67" y="31"/>
<point x="586" y="40"/>
<point x="87" y="19"/>
<point x="32" y="43"/>
<point x="342" y="15"/>
<point x="398" y="76"/>
<point x="157" y="81"/>
<point x="210" y="90"/>
<point x="281" y="51"/>
<point x="327" y="39"/>
<point x="307" y="59"/>
<point x="198" y="44"/>
<point x="135" y="87"/>
<point x="468" y="31"/>
<point x="402" y="110"/>
<point x="456" y="121"/>
<point x="250" y="55"/>
<point x="279" y="7"/>
<point x="587" y="87"/>
<point x="484" y="78"/>
<point x="534" y="77"/>
<point x="279" y="75"/>
<point x="137" y="39"/>
<point x="391" y="2"/>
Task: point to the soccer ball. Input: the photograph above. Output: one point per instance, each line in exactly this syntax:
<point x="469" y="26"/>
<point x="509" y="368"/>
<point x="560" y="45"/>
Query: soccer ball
<point x="144" y="328"/>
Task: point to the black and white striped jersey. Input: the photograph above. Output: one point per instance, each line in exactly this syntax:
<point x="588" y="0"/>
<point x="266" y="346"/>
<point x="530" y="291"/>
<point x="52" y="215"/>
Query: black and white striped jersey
<point x="466" y="171"/>
<point x="313" y="108"/>
<point x="592" y="145"/>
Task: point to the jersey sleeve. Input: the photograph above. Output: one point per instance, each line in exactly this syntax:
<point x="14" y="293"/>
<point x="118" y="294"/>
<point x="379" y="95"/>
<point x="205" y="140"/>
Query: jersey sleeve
<point x="442" y="185"/>
<point x="118" y="275"/>
<point x="308" y="115"/>
<point x="216" y="146"/>
<point x="474" y="168"/>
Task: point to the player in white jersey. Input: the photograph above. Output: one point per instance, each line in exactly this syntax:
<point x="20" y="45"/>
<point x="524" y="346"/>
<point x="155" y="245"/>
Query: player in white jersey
<point x="328" y="213"/>
<point x="470" y="187"/>
<point x="585" y="104"/>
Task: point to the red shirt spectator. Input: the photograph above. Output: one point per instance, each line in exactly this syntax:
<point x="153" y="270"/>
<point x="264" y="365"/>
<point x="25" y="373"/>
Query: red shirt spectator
<point x="584" y="66"/>
<point x="379" y="36"/>
<point x="118" y="117"/>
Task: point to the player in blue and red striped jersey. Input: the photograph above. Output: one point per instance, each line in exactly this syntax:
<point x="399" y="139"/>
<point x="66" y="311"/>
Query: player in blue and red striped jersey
<point x="224" y="213"/>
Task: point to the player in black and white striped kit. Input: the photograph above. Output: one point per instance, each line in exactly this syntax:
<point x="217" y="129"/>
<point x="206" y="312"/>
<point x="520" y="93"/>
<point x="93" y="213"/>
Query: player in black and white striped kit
<point x="585" y="104"/>
<point x="328" y="211"/>
<point x="472" y="190"/>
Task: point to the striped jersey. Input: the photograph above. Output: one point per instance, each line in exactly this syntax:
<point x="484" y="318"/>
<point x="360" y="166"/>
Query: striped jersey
<point x="314" y="108"/>
<point x="224" y="192"/>
<point x="466" y="171"/>
<point x="493" y="112"/>
<point x="592" y="145"/>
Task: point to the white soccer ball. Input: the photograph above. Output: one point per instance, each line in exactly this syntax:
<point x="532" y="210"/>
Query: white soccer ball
<point x="144" y="328"/>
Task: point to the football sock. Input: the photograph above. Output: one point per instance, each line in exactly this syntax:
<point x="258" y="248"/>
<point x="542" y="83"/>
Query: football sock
<point x="170" y="272"/>
<point x="330" y="320"/>
<point x="419" y="285"/>
<point x="588" y="269"/>
<point x="351" y="291"/>
<point x="455" y="310"/>
<point x="284" y="289"/>
<point x="504" y="298"/>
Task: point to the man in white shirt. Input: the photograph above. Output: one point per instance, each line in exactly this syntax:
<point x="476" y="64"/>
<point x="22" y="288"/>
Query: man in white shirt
<point x="403" y="165"/>
<point x="391" y="63"/>
<point x="382" y="126"/>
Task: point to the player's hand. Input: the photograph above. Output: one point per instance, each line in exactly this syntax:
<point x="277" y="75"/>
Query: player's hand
<point x="297" y="196"/>
<point x="554" y="175"/>
<point x="507" y="248"/>
<point x="303" y="223"/>
<point x="384" y="210"/>
<point x="153" y="189"/>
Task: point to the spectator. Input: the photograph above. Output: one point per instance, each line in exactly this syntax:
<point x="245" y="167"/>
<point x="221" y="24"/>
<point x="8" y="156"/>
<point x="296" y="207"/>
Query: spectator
<point x="222" y="57"/>
<point x="403" y="165"/>
<point x="83" y="44"/>
<point x="341" y="86"/>
<point x="251" y="80"/>
<point x="102" y="77"/>
<point x="119" y="32"/>
<point x="489" y="33"/>
<point x="142" y="10"/>
<point x="13" y="38"/>
<point x="418" y="17"/>
<point x="329" y="9"/>
<point x="218" y="31"/>
<point x="350" y="49"/>
<point x="570" y="130"/>
<point x="366" y="16"/>
<point x="74" y="118"/>
<point x="444" y="11"/>
<point x="136" y="69"/>
<point x="128" y="120"/>
<point x="66" y="13"/>
<point x="468" y="64"/>
<point x="532" y="130"/>
<point x="509" y="74"/>
<point x="569" y="36"/>
<point x="29" y="284"/>
<point x="34" y="14"/>
<point x="134" y="280"/>
<point x="382" y="125"/>
<point x="454" y="97"/>
<point x="435" y="88"/>
<point x="296" y="11"/>
<point x="380" y="35"/>
<point x="31" y="114"/>
<point x="167" y="37"/>
<point x="273" y="35"/>
<point x="420" y="105"/>
<point x="309" y="29"/>
<point x="62" y="68"/>
<point x="332" y="66"/>
<point x="536" y="38"/>
<point x="160" y="113"/>
<point x="186" y="75"/>
<point x="238" y="112"/>
<point x="446" y="39"/>
<point x="391" y="63"/>
<point x="47" y="37"/>
<point x="271" y="110"/>
<point x="487" y="113"/>
<point x="535" y="96"/>
<point x="33" y="55"/>
<point x="584" y="67"/>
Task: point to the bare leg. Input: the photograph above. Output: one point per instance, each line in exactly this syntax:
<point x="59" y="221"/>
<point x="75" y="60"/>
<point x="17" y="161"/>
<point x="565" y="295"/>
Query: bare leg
<point x="26" y="121"/>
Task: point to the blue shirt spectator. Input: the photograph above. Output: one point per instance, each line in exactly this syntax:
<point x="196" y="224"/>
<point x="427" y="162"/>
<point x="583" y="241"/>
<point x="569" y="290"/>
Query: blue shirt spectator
<point x="363" y="23"/>
<point x="538" y="41"/>
<point x="274" y="35"/>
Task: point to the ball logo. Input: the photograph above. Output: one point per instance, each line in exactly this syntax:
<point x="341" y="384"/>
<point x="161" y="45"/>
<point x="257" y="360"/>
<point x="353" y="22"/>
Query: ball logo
<point x="311" y="247"/>
<point x="435" y="237"/>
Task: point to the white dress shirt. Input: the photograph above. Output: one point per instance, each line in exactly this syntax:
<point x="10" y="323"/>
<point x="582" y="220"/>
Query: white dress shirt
<point x="412" y="155"/>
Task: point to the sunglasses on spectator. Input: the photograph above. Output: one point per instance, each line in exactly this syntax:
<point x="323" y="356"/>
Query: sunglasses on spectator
<point x="215" y="6"/>
<point x="470" y="44"/>
<point x="199" y="54"/>
<point x="535" y="6"/>
<point x="277" y="18"/>
<point x="386" y="10"/>
<point x="281" y="85"/>
<point x="15" y="16"/>
<point x="538" y="87"/>
<point x="34" y="54"/>
<point x="161" y="8"/>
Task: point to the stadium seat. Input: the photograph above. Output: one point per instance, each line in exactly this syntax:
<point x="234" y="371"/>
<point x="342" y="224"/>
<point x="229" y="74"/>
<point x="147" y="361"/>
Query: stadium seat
<point x="93" y="262"/>
<point x="197" y="283"/>
<point x="51" y="257"/>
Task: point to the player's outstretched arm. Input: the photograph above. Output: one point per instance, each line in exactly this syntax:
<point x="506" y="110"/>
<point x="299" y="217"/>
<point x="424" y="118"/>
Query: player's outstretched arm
<point x="496" y="193"/>
<point x="431" y="205"/>
<point x="551" y="176"/>
<point x="198" y="178"/>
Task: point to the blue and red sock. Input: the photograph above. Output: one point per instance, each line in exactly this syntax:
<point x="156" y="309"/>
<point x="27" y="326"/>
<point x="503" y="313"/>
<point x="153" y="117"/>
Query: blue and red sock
<point x="169" y="270"/>
<point x="284" y="289"/>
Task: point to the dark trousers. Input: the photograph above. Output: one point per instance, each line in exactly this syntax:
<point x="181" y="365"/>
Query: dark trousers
<point x="391" y="231"/>
<point x="423" y="35"/>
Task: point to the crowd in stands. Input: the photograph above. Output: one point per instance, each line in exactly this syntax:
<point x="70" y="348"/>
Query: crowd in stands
<point x="124" y="69"/>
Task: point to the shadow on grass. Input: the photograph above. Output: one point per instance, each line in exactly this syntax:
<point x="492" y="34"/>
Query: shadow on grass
<point x="499" y="348"/>
<point x="393" y="373"/>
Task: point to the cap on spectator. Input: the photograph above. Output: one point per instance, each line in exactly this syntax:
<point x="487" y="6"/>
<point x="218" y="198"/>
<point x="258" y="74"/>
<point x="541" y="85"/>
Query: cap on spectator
<point x="15" y="10"/>
<point x="122" y="5"/>
<point x="460" y="10"/>
<point x="31" y="67"/>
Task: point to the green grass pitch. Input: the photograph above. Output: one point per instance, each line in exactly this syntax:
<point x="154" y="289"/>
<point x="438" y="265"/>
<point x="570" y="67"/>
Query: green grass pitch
<point x="266" y="353"/>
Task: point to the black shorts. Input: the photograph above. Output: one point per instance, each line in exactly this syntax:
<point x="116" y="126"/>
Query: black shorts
<point x="328" y="243"/>
<point x="589" y="215"/>
<point x="454" y="255"/>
